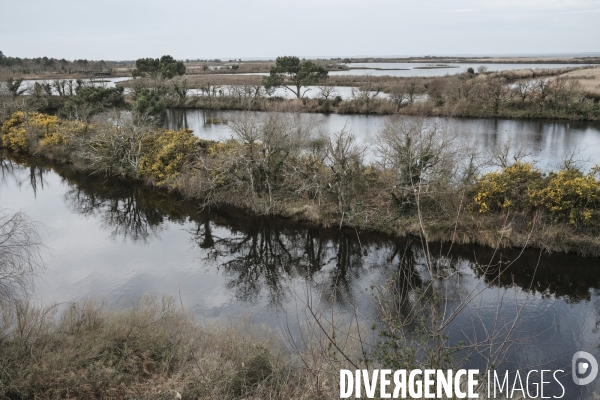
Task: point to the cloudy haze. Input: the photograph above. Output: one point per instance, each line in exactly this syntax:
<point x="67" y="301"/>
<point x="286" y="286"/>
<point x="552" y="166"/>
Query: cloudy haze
<point x="128" y="29"/>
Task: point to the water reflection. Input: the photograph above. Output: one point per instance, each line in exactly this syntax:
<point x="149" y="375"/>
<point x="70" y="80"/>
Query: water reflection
<point x="34" y="178"/>
<point x="258" y="253"/>
<point x="225" y="262"/>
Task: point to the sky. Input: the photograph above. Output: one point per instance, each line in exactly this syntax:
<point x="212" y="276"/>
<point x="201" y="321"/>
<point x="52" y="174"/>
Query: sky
<point x="187" y="29"/>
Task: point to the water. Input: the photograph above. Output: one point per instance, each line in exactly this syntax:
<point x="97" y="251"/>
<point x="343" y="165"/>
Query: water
<point x="117" y="240"/>
<point x="99" y="81"/>
<point x="426" y="70"/>
<point x="546" y="142"/>
<point x="310" y="92"/>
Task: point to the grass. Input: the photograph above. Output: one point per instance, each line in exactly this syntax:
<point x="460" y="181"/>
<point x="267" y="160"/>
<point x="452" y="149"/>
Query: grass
<point x="589" y="79"/>
<point x="152" y="350"/>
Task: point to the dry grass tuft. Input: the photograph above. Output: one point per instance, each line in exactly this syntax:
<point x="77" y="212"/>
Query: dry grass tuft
<point x="152" y="350"/>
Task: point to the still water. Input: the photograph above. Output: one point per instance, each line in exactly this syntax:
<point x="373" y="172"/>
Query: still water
<point x="546" y="143"/>
<point x="428" y="69"/>
<point x="106" y="82"/>
<point x="117" y="240"/>
<point x="435" y="68"/>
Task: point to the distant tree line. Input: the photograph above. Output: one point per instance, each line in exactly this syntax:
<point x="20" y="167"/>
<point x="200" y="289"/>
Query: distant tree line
<point x="39" y="65"/>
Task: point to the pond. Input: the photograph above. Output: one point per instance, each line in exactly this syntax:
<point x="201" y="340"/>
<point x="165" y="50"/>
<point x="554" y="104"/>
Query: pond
<point x="117" y="240"/>
<point x="107" y="82"/>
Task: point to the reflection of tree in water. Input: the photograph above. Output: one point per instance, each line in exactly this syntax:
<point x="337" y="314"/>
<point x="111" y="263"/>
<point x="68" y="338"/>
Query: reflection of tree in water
<point x="560" y="275"/>
<point x="123" y="210"/>
<point x="127" y="209"/>
<point x="260" y="257"/>
<point x="7" y="167"/>
<point x="263" y="254"/>
<point x="14" y="168"/>
<point x="404" y="280"/>
<point x="346" y="267"/>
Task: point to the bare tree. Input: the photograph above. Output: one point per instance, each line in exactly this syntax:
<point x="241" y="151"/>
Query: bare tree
<point x="60" y="86"/>
<point x="541" y="90"/>
<point x="411" y="90"/>
<point x="494" y="91"/>
<point x="365" y="94"/>
<point x="423" y="154"/>
<point x="523" y="89"/>
<point x="398" y="95"/>
<point x="344" y="157"/>
<point x="507" y="153"/>
<point x="21" y="251"/>
<point x="258" y="164"/>
<point x="327" y="92"/>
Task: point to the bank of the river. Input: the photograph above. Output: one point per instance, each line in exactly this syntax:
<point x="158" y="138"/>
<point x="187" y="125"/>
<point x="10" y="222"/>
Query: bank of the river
<point x="153" y="350"/>
<point x="115" y="239"/>
<point x="279" y="167"/>
<point x="535" y="94"/>
<point x="379" y="106"/>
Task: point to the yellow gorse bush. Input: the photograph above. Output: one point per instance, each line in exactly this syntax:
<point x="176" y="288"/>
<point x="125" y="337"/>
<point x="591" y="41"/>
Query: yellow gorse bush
<point x="567" y="194"/>
<point x="20" y="128"/>
<point x="506" y="189"/>
<point x="14" y="133"/>
<point x="166" y="151"/>
<point x="216" y="149"/>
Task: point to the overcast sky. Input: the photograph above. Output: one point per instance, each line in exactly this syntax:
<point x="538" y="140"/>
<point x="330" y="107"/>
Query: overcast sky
<point x="129" y="29"/>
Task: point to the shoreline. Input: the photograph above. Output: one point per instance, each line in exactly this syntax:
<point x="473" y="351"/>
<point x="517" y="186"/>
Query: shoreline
<point x="512" y="230"/>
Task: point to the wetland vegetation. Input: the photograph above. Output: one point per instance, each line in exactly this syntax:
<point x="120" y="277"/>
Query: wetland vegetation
<point x="425" y="189"/>
<point x="279" y="164"/>
<point x="152" y="348"/>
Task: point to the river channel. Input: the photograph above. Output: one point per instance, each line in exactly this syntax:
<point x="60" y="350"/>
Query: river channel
<point x="118" y="240"/>
<point x="546" y="143"/>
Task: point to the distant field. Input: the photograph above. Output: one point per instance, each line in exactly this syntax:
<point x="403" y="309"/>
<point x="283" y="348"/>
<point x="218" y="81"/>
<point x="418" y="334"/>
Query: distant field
<point x="588" y="78"/>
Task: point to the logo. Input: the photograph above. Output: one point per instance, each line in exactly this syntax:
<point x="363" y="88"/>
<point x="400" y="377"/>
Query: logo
<point x="581" y="368"/>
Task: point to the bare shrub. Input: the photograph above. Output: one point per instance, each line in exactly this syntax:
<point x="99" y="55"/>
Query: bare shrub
<point x="260" y="161"/>
<point x="344" y="157"/>
<point x="327" y="92"/>
<point x="114" y="145"/>
<point x="424" y="157"/>
<point x="152" y="350"/>
<point x="21" y="252"/>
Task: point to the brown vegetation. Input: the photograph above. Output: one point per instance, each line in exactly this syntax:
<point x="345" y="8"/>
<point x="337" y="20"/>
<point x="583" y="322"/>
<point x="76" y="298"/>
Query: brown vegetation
<point x="153" y="350"/>
<point x="479" y="60"/>
<point x="534" y="93"/>
<point x="587" y="79"/>
<point x="280" y="164"/>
